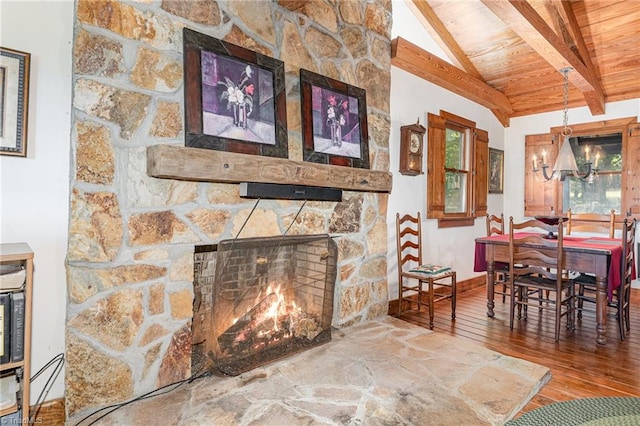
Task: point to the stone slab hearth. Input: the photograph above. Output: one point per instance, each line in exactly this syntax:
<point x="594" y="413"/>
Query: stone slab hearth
<point x="381" y="372"/>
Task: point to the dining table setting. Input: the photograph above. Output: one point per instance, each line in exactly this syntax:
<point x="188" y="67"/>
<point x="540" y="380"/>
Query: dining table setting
<point x="589" y="254"/>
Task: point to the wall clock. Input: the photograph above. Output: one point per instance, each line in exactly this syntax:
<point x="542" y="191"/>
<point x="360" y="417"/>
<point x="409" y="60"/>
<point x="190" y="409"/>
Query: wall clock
<point x="411" y="146"/>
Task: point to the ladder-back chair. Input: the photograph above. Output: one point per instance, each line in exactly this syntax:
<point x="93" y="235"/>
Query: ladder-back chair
<point x="418" y="281"/>
<point x="536" y="262"/>
<point x="591" y="223"/>
<point x="495" y="226"/>
<point x="619" y="304"/>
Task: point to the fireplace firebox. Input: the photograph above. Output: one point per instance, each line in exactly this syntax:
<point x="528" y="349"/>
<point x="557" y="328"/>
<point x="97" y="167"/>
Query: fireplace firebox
<point x="269" y="298"/>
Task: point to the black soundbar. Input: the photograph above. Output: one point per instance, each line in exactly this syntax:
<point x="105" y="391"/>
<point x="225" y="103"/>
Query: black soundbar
<point x="289" y="192"/>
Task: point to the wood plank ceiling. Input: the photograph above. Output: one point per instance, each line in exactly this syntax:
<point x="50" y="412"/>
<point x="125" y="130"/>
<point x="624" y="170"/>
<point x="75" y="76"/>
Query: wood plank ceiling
<point x="506" y="54"/>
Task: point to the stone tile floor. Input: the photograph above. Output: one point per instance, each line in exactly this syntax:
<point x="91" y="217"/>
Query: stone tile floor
<point x="382" y="372"/>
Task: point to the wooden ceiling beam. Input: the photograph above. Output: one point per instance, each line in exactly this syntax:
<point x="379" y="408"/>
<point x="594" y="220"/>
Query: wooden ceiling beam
<point x="525" y="21"/>
<point x="419" y="62"/>
<point x="437" y="30"/>
<point x="595" y="98"/>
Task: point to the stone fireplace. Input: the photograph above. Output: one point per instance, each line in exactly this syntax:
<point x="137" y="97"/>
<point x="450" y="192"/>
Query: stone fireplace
<point x="133" y="238"/>
<point x="261" y="299"/>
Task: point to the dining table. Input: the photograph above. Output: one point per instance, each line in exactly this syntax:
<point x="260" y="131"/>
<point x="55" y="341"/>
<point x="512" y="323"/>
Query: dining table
<point x="598" y="256"/>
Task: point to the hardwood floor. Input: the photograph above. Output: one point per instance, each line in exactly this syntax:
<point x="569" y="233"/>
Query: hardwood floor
<point x="580" y="368"/>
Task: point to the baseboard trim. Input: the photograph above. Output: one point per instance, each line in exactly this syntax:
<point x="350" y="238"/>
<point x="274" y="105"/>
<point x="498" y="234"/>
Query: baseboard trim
<point x="50" y="413"/>
<point x="461" y="286"/>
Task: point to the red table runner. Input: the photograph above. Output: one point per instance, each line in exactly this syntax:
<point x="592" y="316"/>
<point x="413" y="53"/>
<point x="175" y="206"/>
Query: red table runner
<point x="613" y="245"/>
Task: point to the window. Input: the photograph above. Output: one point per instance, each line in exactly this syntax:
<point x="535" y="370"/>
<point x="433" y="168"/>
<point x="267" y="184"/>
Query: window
<point x="604" y="193"/>
<point x="457" y="169"/>
<point x="618" y="176"/>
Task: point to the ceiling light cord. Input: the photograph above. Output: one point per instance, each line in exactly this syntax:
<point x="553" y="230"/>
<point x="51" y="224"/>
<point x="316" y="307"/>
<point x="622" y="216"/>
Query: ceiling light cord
<point x="566" y="130"/>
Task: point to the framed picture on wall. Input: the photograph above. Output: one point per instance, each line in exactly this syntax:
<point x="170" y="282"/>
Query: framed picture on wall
<point x="334" y="121"/>
<point x="496" y="171"/>
<point x="14" y="101"/>
<point x="234" y="98"/>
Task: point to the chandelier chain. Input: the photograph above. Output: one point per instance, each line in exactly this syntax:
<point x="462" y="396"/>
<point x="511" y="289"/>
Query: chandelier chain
<point x="566" y="131"/>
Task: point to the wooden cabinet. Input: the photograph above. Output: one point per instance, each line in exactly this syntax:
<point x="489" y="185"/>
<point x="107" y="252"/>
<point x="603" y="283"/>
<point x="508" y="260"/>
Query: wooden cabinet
<point x="21" y="254"/>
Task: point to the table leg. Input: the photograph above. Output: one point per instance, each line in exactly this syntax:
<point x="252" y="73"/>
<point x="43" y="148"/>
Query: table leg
<point x="601" y="309"/>
<point x="490" y="288"/>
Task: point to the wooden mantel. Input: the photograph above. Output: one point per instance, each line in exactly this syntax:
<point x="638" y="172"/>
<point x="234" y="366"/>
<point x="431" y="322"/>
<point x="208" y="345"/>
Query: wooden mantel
<point x="205" y="165"/>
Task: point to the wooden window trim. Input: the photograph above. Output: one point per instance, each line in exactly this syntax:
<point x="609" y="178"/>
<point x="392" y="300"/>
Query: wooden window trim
<point x="476" y="170"/>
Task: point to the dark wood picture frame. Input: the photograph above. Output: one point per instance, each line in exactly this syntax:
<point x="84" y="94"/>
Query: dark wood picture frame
<point x="14" y="101"/>
<point x="334" y="121"/>
<point x="496" y="171"/>
<point x="235" y="98"/>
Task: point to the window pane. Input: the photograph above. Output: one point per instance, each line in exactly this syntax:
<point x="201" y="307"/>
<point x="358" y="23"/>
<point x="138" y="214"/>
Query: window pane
<point x="600" y="196"/>
<point x="454" y="150"/>
<point x="455" y="192"/>
<point x="606" y="150"/>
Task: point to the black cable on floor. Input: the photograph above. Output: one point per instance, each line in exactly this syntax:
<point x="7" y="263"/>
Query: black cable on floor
<point x="58" y="360"/>
<point x="156" y="392"/>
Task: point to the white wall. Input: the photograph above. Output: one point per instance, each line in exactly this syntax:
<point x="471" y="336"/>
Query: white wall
<point x="35" y="190"/>
<point x="413" y="98"/>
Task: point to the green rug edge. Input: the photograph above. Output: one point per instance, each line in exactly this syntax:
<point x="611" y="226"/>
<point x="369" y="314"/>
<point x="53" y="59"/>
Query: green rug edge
<point x="591" y="411"/>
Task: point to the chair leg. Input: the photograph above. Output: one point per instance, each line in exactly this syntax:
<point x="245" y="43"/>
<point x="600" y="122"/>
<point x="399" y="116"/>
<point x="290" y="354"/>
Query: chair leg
<point x="557" y="324"/>
<point x="540" y="308"/>
<point x="627" y="308"/>
<point x="621" y="324"/>
<point x="400" y="297"/>
<point x="454" y="294"/>
<point x="522" y="297"/>
<point x="571" y="306"/>
<point x="512" y="307"/>
<point x="430" y="304"/>
<point x="621" y="312"/>
<point x="580" y="300"/>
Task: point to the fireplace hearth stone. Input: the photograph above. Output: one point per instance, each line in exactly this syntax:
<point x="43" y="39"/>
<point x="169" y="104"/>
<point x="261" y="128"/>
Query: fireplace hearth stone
<point x="384" y="371"/>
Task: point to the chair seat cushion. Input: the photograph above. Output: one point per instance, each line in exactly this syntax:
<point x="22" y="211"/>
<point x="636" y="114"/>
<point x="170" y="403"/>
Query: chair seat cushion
<point x="540" y="282"/>
<point x="430" y="269"/>
<point x="585" y="279"/>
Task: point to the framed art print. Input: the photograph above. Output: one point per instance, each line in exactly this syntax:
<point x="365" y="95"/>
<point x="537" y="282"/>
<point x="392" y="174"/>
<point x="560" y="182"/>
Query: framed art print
<point x="496" y="171"/>
<point x="14" y="101"/>
<point x="334" y="121"/>
<point x="234" y="98"/>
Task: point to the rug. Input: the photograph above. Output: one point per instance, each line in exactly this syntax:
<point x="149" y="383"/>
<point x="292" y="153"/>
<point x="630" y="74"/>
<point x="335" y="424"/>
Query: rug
<point x="608" y="411"/>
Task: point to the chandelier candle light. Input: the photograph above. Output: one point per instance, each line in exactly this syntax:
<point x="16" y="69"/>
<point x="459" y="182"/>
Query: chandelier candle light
<point x="565" y="164"/>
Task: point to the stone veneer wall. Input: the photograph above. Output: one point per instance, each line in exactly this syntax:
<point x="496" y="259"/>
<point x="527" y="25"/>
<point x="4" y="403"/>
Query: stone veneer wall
<point x="132" y="237"/>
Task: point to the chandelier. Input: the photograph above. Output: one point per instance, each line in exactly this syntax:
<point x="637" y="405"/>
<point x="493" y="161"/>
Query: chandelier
<point x="565" y="164"/>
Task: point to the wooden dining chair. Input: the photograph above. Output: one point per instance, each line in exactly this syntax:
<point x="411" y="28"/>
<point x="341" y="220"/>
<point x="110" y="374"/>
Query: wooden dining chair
<point x="626" y="275"/>
<point x="620" y="302"/>
<point x="536" y="263"/>
<point x="589" y="223"/>
<point x="592" y="223"/>
<point x="418" y="281"/>
<point x="495" y="226"/>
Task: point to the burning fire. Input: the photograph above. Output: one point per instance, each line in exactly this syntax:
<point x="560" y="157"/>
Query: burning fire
<point x="274" y="317"/>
